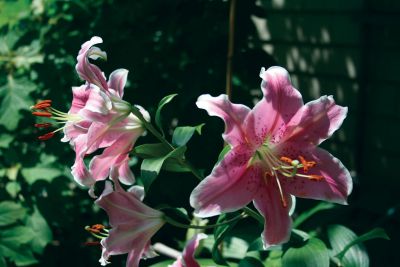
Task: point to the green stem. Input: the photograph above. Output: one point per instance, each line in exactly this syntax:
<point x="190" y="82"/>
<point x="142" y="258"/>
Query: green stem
<point x="254" y="214"/>
<point x="186" y="226"/>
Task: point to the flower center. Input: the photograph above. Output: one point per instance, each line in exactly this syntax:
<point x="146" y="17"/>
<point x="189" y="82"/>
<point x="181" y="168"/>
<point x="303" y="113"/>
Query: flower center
<point x="283" y="166"/>
<point x="44" y="109"/>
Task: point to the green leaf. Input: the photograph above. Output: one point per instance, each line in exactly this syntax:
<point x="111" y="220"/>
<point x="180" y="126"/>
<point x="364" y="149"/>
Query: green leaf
<point x="41" y="230"/>
<point x="223" y="152"/>
<point x="219" y="234"/>
<point x="256" y="245"/>
<point x="250" y="262"/>
<point x="183" y="134"/>
<point x="11" y="212"/>
<point x="41" y="172"/>
<point x="13" y="245"/>
<point x="274" y="259"/>
<point x="151" y="150"/>
<point x="13" y="188"/>
<point x="374" y="233"/>
<point x="347" y="248"/>
<point x="307" y="214"/>
<point x="14" y="98"/>
<point x="312" y="253"/>
<point x="5" y="140"/>
<point x="173" y="165"/>
<point x="12" y="11"/>
<point x="151" y="167"/>
<point x="162" y="103"/>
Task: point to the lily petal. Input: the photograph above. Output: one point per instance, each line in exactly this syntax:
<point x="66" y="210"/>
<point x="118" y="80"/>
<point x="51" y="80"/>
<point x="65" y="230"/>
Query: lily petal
<point x="316" y="121"/>
<point x="187" y="259"/>
<point x="232" y="114"/>
<point x="87" y="71"/>
<point x="80" y="97"/>
<point x="336" y="183"/>
<point x="123" y="207"/>
<point x="278" y="223"/>
<point x="231" y="177"/>
<point x="280" y="103"/>
<point x="117" y="81"/>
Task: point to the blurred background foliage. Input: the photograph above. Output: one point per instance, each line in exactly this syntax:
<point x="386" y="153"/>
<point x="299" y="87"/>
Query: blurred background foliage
<point x="348" y="49"/>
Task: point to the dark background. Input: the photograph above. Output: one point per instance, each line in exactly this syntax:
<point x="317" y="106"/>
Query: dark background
<point x="348" y="49"/>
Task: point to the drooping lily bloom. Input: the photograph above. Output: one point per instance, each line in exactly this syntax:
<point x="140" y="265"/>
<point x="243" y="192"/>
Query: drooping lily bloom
<point x="132" y="224"/>
<point x="187" y="258"/>
<point x="273" y="155"/>
<point x="98" y="118"/>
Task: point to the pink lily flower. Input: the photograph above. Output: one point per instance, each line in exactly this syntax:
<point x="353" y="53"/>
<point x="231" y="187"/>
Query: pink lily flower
<point x="273" y="155"/>
<point x="132" y="224"/>
<point x="187" y="258"/>
<point x="98" y="118"/>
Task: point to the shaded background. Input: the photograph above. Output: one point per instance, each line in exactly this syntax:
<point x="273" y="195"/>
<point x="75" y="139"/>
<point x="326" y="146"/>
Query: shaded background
<point x="348" y="49"/>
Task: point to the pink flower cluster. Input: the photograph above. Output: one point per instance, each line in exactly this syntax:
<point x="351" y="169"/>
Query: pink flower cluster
<point x="273" y="156"/>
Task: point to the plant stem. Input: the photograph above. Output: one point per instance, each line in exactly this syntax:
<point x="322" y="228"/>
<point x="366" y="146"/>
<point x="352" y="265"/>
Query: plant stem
<point x="186" y="226"/>
<point x="254" y="214"/>
<point x="229" y="58"/>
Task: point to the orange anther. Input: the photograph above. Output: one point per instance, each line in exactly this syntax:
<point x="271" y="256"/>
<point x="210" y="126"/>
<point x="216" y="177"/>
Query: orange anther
<point x="46" y="136"/>
<point x="286" y="159"/>
<point x="42" y="114"/>
<point x="306" y="164"/>
<point x="315" y="177"/>
<point x="98" y="227"/>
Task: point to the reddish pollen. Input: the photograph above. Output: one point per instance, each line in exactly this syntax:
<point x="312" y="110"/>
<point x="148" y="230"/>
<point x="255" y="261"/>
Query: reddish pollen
<point x="42" y="125"/>
<point x="42" y="114"/>
<point x="42" y="104"/>
<point x="46" y="136"/>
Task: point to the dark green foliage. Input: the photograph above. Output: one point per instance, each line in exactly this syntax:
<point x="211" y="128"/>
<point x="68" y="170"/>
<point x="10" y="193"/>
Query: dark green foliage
<point x="180" y="46"/>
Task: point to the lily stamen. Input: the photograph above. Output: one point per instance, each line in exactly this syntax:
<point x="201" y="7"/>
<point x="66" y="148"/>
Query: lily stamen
<point x="97" y="230"/>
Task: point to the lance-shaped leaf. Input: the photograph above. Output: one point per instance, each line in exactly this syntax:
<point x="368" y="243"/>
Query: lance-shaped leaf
<point x="151" y="167"/>
<point x="151" y="150"/>
<point x="307" y="214"/>
<point x="162" y="103"/>
<point x="183" y="134"/>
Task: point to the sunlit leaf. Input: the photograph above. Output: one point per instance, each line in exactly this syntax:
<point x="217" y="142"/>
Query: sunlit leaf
<point x="11" y="212"/>
<point x="373" y="234"/>
<point x="41" y="230"/>
<point x="13" y="245"/>
<point x="312" y="253"/>
<point x="14" y="97"/>
<point x="5" y="140"/>
<point x="13" y="188"/>
<point x="350" y="254"/>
